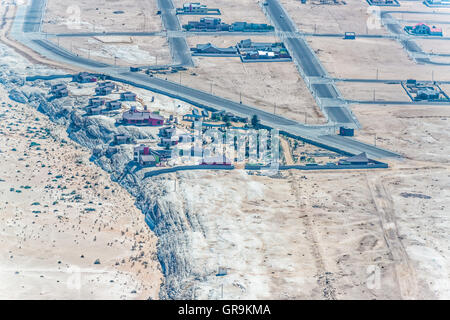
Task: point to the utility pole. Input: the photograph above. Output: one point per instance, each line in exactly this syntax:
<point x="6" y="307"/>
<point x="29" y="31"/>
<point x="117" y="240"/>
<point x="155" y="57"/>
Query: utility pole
<point x="377" y="73"/>
<point x="240" y="97"/>
<point x="145" y="18"/>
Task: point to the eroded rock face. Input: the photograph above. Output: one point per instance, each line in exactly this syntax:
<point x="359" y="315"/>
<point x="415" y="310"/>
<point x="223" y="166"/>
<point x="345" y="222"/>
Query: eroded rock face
<point x="162" y="216"/>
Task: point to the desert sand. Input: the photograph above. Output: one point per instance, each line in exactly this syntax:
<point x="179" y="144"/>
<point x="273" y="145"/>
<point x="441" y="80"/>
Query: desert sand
<point x="59" y="215"/>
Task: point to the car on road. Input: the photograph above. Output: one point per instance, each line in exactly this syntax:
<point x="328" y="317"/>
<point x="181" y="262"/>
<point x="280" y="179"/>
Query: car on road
<point x="281" y="16"/>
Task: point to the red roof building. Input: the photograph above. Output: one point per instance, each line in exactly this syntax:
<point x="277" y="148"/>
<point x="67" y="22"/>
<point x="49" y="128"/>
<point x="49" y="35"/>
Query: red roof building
<point x="133" y="116"/>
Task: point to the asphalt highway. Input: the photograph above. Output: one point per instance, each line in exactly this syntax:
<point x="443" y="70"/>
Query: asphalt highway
<point x="314" y="133"/>
<point x="180" y="50"/>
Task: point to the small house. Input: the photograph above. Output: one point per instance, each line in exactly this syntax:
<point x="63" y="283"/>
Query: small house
<point x="147" y="160"/>
<point x="168" y="142"/>
<point x="113" y="105"/>
<point x="350" y="36"/>
<point x="167" y="132"/>
<point x="360" y="159"/>
<point x="103" y="90"/>
<point x="84" y="77"/>
<point x="128" y="96"/>
<point x="195" y="7"/>
<point x="122" y="139"/>
<point x="348" y="132"/>
<point x="145" y="156"/>
<point x="94" y="110"/>
<point x="133" y="116"/>
<point x="140" y="150"/>
<point x="427" y="94"/>
<point x="58" y="87"/>
<point x="61" y="93"/>
<point x="212" y="49"/>
<point x="96" y="102"/>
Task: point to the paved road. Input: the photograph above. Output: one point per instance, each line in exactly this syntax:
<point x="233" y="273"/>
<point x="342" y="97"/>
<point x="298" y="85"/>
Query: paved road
<point x="68" y="55"/>
<point x="34" y="16"/>
<point x="178" y="46"/>
<point x="309" y="63"/>
<point x="196" y="97"/>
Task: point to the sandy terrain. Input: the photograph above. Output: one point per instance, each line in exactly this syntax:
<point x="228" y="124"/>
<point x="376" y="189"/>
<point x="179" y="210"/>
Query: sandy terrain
<point x="59" y="214"/>
<point x="418" y="132"/>
<point x="136" y="51"/>
<point x="261" y="84"/>
<point x="299" y="237"/>
<point x="232" y="11"/>
<point x="312" y="17"/>
<point x="393" y="220"/>
<point x="434" y="46"/>
<point x="380" y="234"/>
<point x="362" y="57"/>
<point x="98" y="16"/>
<point x="371" y="91"/>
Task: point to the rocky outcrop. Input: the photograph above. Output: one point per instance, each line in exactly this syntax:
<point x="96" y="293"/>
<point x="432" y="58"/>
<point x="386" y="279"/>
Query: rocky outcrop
<point x="153" y="196"/>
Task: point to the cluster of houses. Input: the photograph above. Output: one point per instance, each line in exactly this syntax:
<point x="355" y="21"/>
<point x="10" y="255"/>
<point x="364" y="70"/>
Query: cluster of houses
<point x="216" y="24"/>
<point x="98" y="106"/>
<point x="59" y="90"/>
<point x="196" y="8"/>
<point x="422" y="29"/>
<point x="169" y="136"/>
